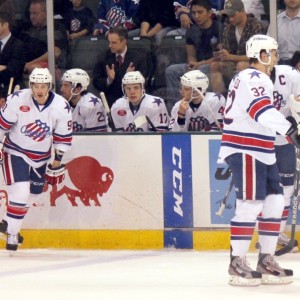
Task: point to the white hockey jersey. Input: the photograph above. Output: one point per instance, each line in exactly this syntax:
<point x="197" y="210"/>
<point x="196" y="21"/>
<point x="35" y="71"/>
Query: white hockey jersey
<point x="89" y="114"/>
<point x="200" y="117"/>
<point x="250" y="119"/>
<point x="287" y="82"/>
<point x="127" y="117"/>
<point x="32" y="129"/>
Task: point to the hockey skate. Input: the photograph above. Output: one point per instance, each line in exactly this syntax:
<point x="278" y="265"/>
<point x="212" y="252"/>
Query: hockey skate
<point x="3" y="230"/>
<point x="12" y="242"/>
<point x="283" y="241"/>
<point x="271" y="272"/>
<point x="241" y="273"/>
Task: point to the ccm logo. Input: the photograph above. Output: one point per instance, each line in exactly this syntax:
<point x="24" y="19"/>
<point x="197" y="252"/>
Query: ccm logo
<point x="177" y="180"/>
<point x="24" y="108"/>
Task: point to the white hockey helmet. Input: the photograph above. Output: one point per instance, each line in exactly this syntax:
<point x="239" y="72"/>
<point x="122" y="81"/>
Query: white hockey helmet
<point x="194" y="79"/>
<point x="77" y="76"/>
<point x="40" y="75"/>
<point x="260" y="42"/>
<point x="133" y="77"/>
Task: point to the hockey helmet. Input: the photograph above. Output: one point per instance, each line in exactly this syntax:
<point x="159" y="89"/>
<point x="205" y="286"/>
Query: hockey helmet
<point x="195" y="79"/>
<point x="133" y="77"/>
<point x="40" y="75"/>
<point x="260" y="42"/>
<point x="77" y="76"/>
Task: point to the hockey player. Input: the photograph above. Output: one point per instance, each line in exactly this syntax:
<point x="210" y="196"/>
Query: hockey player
<point x="35" y="121"/>
<point x="138" y="111"/>
<point x="286" y="82"/>
<point x="88" y="111"/>
<point x="197" y="110"/>
<point x="250" y="125"/>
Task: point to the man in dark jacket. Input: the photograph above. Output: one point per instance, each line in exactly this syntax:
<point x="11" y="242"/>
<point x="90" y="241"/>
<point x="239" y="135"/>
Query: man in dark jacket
<point x="108" y="73"/>
<point x="12" y="55"/>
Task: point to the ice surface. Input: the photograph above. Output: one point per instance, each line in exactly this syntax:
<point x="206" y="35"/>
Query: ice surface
<point x="128" y="275"/>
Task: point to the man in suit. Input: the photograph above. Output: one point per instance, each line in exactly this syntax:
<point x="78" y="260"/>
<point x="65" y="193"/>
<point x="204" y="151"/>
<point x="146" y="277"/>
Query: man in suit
<point x="12" y="54"/>
<point x="119" y="60"/>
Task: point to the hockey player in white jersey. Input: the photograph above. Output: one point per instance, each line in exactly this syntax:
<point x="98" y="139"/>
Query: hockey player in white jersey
<point x="36" y="121"/>
<point x="250" y="125"/>
<point x="286" y="82"/>
<point x="136" y="110"/>
<point x="197" y="111"/>
<point x="88" y="112"/>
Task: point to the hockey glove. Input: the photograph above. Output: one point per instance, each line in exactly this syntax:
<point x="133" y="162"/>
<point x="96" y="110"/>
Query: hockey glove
<point x="292" y="134"/>
<point x="55" y="176"/>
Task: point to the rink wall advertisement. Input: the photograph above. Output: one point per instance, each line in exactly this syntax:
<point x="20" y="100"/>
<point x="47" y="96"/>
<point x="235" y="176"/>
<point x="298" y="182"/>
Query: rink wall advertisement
<point x="132" y="191"/>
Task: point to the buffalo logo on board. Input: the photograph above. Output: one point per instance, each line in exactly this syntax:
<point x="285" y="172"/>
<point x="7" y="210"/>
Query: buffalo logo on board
<point x="89" y="178"/>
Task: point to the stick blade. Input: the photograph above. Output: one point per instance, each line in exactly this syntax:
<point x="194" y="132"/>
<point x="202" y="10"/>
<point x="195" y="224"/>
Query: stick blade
<point x="289" y="247"/>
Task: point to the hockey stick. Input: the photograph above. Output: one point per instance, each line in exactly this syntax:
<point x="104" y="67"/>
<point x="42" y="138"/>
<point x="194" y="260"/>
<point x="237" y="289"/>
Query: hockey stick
<point x="225" y="199"/>
<point x="291" y="242"/>
<point x="11" y="83"/>
<point x="151" y="124"/>
<point x="17" y="88"/>
<point x="108" y="113"/>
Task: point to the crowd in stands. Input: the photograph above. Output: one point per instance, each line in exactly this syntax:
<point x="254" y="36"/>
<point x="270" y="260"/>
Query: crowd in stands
<point x="214" y="34"/>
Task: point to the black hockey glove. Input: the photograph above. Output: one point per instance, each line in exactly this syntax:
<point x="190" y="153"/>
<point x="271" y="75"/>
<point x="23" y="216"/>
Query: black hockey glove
<point x="292" y="134"/>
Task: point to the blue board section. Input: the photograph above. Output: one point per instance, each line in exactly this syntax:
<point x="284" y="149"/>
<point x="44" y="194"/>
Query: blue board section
<point x="219" y="183"/>
<point x="177" y="191"/>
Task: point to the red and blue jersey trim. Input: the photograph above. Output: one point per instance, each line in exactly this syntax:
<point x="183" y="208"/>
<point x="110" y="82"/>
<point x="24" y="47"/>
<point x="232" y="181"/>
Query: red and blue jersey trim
<point x="259" y="106"/>
<point x="5" y="124"/>
<point x="36" y="156"/>
<point x="62" y="139"/>
<point x="248" y="141"/>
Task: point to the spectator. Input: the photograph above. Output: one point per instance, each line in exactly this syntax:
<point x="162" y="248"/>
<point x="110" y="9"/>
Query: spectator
<point x="201" y="38"/>
<point x="60" y="8"/>
<point x="197" y="111"/>
<point x="136" y="110"/>
<point x="295" y="61"/>
<point x="288" y="27"/>
<point x="12" y="54"/>
<point x="119" y="59"/>
<point x="183" y="16"/>
<point x="155" y="18"/>
<point x="256" y="8"/>
<point x="8" y="6"/>
<point x="35" y="38"/>
<point x="88" y="113"/>
<point x="112" y="13"/>
<point x="79" y="20"/>
<point x="232" y="57"/>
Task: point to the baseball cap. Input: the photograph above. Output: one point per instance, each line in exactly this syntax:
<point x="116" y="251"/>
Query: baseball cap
<point x="231" y="7"/>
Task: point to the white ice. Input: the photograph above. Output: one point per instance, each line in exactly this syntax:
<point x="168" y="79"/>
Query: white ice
<point x="129" y="275"/>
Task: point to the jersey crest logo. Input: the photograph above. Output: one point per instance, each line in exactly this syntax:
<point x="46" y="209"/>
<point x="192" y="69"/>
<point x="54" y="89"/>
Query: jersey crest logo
<point x="24" y="108"/>
<point x="122" y="113"/>
<point x="36" y="130"/>
<point x="278" y="100"/>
